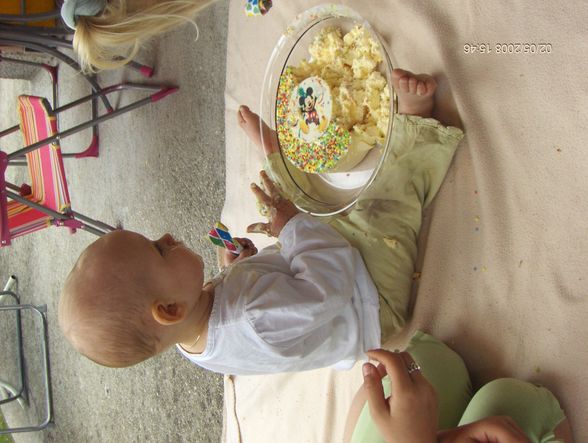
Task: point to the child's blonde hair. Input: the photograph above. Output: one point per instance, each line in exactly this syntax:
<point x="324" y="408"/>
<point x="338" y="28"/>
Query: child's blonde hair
<point x="112" y="39"/>
<point x="104" y="311"/>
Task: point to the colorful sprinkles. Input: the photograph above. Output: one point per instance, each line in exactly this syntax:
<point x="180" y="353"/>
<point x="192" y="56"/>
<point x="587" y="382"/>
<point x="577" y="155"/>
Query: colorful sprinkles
<point x="314" y="157"/>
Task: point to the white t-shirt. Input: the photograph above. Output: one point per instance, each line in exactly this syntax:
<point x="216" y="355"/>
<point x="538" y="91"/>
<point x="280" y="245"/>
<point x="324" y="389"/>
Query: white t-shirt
<point x="306" y="305"/>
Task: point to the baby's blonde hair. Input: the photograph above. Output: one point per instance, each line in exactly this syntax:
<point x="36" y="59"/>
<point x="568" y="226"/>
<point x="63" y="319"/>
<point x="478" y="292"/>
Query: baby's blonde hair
<point x="111" y="39"/>
<point x="107" y="326"/>
<point x="105" y="312"/>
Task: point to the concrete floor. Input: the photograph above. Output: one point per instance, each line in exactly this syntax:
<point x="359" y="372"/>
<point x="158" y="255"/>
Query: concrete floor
<point x="161" y="169"/>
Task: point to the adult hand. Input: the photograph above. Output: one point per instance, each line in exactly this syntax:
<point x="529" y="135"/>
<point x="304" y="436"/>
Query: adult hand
<point x="410" y="414"/>
<point x="488" y="430"/>
<point x="249" y="249"/>
<point x="280" y="210"/>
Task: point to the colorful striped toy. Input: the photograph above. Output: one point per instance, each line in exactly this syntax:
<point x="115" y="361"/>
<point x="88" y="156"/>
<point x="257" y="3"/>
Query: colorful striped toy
<point x="219" y="236"/>
<point x="257" y="7"/>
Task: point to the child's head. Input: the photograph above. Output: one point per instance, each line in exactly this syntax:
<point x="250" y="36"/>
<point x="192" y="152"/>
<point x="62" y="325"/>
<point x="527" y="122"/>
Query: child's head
<point x="127" y="297"/>
<point x="113" y="37"/>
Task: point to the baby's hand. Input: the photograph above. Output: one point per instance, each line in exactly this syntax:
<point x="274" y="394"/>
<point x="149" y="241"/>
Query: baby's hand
<point x="249" y="249"/>
<point x="280" y="209"/>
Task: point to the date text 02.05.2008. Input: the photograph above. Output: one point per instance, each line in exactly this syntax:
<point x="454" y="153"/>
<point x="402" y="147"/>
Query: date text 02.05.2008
<point x="508" y="48"/>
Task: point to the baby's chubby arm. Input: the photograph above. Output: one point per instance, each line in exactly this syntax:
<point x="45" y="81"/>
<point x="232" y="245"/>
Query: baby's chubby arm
<point x="312" y="294"/>
<point x="322" y="270"/>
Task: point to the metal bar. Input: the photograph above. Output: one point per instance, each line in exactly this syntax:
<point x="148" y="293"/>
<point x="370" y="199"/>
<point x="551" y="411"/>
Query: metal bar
<point x="37" y="206"/>
<point x="30" y="17"/>
<point x="9" y="130"/>
<point x="93" y="230"/>
<point x="89" y="220"/>
<point x="95" y="227"/>
<point x="18" y="393"/>
<point x="22" y="62"/>
<point x="38" y="30"/>
<point x="26" y="36"/>
<point x="64" y="58"/>
<point x="79" y="127"/>
<point x="104" y="91"/>
<point x="13" y="187"/>
<point x="41" y="311"/>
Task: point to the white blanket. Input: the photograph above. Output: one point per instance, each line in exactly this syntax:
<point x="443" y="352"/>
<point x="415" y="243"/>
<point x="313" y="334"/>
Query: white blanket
<point x="504" y="247"/>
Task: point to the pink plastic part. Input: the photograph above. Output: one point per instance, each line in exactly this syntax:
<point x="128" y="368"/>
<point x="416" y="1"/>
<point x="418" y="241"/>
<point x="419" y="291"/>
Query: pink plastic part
<point x="25" y="190"/>
<point x="146" y="71"/>
<point x="4" y="230"/>
<point x="71" y="223"/>
<point x="92" y="150"/>
<point x="163" y="93"/>
<point x="52" y="70"/>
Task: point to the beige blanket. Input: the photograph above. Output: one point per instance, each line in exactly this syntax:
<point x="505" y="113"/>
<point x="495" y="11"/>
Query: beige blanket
<point x="504" y="248"/>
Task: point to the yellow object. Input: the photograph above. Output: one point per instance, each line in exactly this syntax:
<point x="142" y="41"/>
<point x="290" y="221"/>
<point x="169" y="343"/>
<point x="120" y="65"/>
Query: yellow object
<point x="348" y="63"/>
<point x="32" y="7"/>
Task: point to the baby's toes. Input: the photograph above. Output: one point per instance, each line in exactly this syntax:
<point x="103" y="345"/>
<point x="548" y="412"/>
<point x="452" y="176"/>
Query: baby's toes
<point x="421" y="88"/>
<point x="403" y="84"/>
<point x="412" y="85"/>
<point x="431" y="85"/>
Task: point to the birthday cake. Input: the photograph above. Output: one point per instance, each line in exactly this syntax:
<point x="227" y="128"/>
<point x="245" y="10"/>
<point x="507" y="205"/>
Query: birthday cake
<point x="333" y="108"/>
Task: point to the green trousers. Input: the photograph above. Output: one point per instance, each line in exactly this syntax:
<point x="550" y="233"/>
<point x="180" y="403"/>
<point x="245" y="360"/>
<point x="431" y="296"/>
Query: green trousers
<point x="385" y="222"/>
<point x="534" y="408"/>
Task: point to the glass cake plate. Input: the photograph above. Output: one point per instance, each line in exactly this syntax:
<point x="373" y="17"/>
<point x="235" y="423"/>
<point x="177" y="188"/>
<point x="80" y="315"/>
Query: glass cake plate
<point x="320" y="192"/>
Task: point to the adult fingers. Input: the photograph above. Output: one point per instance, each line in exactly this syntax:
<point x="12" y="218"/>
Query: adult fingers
<point x="381" y="370"/>
<point x="498" y="428"/>
<point x="413" y="369"/>
<point x="513" y="431"/>
<point x="372" y="385"/>
<point x="395" y="368"/>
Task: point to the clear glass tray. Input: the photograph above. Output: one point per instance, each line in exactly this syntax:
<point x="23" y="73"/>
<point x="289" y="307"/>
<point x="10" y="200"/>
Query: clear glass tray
<point x="325" y="193"/>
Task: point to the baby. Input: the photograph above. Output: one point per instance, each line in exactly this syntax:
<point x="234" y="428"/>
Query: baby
<point x="311" y="301"/>
<point x="385" y="221"/>
<point x="308" y="304"/>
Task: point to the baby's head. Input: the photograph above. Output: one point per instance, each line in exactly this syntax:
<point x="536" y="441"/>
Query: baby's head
<point x="125" y="298"/>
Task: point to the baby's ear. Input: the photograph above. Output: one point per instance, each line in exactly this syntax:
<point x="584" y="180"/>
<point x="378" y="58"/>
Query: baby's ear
<point x="168" y="313"/>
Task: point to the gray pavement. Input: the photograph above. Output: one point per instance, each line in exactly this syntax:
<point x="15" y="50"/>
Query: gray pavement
<point x="161" y="169"/>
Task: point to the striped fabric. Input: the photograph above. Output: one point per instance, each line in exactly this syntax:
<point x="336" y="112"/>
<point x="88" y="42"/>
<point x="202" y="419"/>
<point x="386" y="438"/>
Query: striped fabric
<point x="45" y="165"/>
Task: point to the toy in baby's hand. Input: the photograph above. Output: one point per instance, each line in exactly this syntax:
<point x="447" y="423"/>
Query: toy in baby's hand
<point x="257" y="7"/>
<point x="219" y="236"/>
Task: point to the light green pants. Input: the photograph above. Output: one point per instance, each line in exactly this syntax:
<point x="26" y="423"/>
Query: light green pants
<point x="534" y="408"/>
<point x="384" y="223"/>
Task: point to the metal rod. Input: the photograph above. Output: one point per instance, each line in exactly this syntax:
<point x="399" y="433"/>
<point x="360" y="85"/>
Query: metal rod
<point x="39" y="310"/>
<point x="37" y="206"/>
<point x="38" y="30"/>
<point x="78" y="128"/>
<point x="64" y="58"/>
<point x="97" y="223"/>
<point x="18" y="393"/>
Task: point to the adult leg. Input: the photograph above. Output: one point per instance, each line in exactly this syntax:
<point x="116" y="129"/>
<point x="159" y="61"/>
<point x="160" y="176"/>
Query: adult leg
<point x="442" y="367"/>
<point x="534" y="408"/>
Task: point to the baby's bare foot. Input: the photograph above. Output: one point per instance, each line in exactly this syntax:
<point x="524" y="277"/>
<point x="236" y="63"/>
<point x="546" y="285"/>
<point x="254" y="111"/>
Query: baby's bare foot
<point x="250" y="123"/>
<point x="415" y="92"/>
